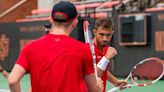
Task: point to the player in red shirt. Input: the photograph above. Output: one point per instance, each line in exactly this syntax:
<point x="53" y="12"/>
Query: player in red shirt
<point x="56" y="61"/>
<point x="102" y="36"/>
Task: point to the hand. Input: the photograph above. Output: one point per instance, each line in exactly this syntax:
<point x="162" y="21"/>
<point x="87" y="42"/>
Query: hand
<point x="5" y="74"/>
<point x="100" y="85"/>
<point x="111" y="52"/>
<point x="121" y="83"/>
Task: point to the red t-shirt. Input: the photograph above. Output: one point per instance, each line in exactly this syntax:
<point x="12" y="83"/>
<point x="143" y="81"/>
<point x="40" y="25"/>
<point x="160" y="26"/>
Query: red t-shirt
<point x="56" y="63"/>
<point x="99" y="55"/>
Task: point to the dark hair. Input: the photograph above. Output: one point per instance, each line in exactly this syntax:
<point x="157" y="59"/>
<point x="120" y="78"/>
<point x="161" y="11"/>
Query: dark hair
<point x="104" y="23"/>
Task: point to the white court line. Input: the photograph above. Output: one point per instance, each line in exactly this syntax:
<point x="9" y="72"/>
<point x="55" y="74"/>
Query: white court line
<point x="3" y="90"/>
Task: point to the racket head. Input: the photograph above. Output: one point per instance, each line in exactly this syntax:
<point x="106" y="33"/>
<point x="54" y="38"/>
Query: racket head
<point x="147" y="71"/>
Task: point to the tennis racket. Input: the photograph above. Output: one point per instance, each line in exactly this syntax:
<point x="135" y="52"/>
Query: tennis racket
<point x="89" y="40"/>
<point x="145" y="73"/>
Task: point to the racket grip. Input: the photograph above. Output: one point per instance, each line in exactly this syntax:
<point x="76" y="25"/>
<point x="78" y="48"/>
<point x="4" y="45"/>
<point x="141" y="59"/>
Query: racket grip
<point x="113" y="89"/>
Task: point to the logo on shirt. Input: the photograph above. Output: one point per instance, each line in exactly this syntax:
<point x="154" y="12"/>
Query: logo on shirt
<point x="57" y="39"/>
<point x="99" y="57"/>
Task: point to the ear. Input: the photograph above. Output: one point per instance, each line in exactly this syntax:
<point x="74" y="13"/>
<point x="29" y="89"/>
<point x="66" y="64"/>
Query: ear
<point x="75" y="21"/>
<point x="51" y="21"/>
<point x="94" y="31"/>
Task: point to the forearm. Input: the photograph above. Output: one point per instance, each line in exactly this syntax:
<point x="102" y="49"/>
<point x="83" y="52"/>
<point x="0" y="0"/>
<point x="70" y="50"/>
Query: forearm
<point x="99" y="72"/>
<point x="111" y="78"/>
<point x="14" y="78"/>
<point x="116" y="81"/>
<point x="15" y="87"/>
<point x="91" y="82"/>
<point x="101" y="66"/>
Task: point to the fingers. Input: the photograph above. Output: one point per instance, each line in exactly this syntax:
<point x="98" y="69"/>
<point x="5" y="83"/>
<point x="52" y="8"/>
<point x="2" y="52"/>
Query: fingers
<point x="124" y="87"/>
<point x="111" y="52"/>
<point x="123" y="84"/>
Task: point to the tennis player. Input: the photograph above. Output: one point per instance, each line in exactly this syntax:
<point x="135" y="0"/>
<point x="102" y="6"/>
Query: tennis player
<point x="4" y="72"/>
<point x="103" y="32"/>
<point x="102" y="36"/>
<point x="56" y="61"/>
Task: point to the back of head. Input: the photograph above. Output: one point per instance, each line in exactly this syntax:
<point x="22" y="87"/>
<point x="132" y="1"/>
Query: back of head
<point x="103" y="23"/>
<point x="63" y="12"/>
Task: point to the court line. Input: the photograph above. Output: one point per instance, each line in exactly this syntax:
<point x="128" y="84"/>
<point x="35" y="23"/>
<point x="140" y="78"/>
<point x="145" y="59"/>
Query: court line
<point x="4" y="90"/>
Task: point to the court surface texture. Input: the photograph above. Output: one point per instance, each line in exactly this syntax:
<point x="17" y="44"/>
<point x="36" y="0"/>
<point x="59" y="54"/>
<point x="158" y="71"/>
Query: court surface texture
<point x="25" y="83"/>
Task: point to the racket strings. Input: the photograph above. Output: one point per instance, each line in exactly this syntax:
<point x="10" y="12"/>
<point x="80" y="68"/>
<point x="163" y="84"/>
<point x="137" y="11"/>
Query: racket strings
<point x="147" y="72"/>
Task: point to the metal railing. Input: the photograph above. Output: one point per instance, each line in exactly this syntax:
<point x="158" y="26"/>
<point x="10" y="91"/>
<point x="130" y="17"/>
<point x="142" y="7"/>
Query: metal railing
<point x="12" y="8"/>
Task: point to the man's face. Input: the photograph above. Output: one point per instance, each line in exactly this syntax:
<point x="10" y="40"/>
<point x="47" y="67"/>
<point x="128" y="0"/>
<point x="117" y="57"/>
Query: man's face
<point x="103" y="36"/>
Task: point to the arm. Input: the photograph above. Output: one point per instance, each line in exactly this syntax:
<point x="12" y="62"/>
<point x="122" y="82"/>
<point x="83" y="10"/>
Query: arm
<point x="115" y="81"/>
<point x="111" y="78"/>
<point x="92" y="84"/>
<point x="14" y="78"/>
<point x="102" y="65"/>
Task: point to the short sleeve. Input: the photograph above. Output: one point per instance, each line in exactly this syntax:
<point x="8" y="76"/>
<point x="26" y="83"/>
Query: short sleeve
<point x="23" y="59"/>
<point x="88" y="61"/>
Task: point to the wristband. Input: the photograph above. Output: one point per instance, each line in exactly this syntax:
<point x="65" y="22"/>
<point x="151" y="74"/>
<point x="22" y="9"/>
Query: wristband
<point x="103" y="63"/>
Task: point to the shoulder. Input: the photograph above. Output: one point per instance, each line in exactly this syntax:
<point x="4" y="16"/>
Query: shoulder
<point x="34" y="43"/>
<point x="79" y="43"/>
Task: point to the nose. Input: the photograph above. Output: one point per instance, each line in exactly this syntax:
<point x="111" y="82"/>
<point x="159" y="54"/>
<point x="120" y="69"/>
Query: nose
<point x="105" y="38"/>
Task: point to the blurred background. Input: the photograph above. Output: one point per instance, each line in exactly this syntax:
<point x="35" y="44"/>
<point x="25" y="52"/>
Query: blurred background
<point x="138" y="26"/>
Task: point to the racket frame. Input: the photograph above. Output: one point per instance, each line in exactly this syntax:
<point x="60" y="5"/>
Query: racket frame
<point x="136" y="84"/>
<point x="89" y="40"/>
<point x="141" y="62"/>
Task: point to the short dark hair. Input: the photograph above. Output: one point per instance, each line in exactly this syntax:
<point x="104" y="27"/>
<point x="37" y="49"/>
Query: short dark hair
<point x="104" y="23"/>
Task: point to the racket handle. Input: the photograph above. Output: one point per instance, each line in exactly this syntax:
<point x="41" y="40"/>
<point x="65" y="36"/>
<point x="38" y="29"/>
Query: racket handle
<point x="113" y="89"/>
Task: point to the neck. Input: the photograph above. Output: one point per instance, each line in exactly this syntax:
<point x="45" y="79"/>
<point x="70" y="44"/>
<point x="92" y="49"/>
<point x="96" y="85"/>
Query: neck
<point x="97" y="45"/>
<point x="59" y="31"/>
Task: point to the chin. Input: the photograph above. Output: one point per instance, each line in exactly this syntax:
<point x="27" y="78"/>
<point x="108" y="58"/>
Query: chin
<point x="103" y="45"/>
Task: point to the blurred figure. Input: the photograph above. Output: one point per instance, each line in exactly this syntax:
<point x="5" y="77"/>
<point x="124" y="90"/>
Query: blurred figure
<point x="47" y="28"/>
<point x="4" y="72"/>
